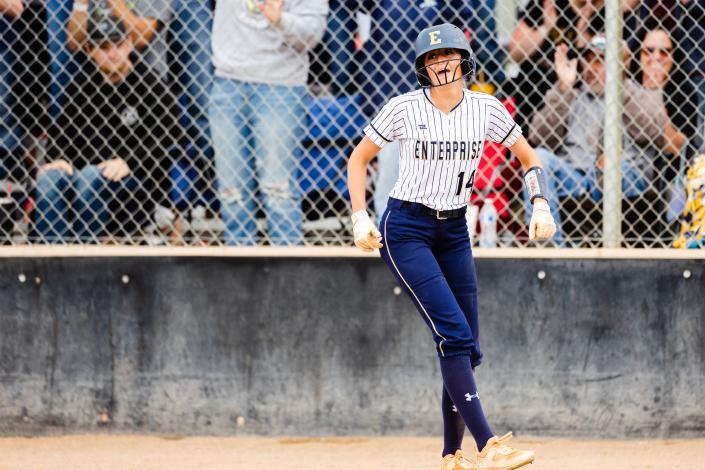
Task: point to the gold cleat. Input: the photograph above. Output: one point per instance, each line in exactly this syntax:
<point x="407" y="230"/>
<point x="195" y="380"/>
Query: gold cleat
<point x="457" y="462"/>
<point x="497" y="455"/>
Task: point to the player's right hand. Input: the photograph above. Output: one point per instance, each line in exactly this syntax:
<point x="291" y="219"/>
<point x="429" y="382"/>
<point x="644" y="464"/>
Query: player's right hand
<point x="366" y="235"/>
<point x="542" y="225"/>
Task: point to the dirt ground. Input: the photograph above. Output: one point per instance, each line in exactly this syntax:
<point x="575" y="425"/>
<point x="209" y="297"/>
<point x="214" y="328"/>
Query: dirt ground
<point x="394" y="453"/>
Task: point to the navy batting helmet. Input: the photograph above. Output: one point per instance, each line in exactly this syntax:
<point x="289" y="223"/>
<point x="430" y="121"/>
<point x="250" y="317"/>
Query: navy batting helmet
<point x="443" y="36"/>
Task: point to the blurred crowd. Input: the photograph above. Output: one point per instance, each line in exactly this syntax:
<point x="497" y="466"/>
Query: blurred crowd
<point x="136" y="121"/>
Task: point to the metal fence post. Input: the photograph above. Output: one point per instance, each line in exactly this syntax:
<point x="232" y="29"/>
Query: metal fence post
<point x="614" y="63"/>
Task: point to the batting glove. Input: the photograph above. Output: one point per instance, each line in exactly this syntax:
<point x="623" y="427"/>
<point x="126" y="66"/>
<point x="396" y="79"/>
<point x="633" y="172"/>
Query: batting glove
<point x="366" y="235"/>
<point x="542" y="226"/>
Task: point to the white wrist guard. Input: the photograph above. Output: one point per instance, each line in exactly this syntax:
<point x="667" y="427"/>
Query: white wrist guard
<point x="535" y="182"/>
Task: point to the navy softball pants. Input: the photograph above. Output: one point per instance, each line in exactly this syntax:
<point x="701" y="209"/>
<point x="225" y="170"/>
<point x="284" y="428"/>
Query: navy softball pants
<point x="432" y="261"/>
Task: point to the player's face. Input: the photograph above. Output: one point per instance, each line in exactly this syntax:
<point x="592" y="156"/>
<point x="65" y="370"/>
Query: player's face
<point x="443" y="66"/>
<point x="112" y="57"/>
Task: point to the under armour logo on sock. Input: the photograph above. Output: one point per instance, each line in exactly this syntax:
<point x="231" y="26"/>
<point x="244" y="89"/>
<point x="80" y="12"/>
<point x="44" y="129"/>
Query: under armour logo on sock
<point x="455" y="410"/>
<point x="469" y="397"/>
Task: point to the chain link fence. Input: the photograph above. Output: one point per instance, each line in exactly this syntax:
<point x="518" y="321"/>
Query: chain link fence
<point x="191" y="122"/>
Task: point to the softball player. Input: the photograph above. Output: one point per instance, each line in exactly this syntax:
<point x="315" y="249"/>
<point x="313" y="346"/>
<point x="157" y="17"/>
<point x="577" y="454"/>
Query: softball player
<point x="423" y="236"/>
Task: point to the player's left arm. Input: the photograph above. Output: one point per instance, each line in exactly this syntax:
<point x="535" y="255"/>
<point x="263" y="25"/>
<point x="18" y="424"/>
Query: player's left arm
<point x="542" y="225"/>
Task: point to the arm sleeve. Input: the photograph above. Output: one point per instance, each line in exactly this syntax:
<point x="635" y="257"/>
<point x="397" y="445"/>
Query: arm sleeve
<point x="381" y="129"/>
<point x="303" y="27"/>
<point x="501" y="127"/>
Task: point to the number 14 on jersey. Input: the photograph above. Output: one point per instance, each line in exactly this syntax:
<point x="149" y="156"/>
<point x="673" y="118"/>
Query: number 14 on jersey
<point x="461" y="178"/>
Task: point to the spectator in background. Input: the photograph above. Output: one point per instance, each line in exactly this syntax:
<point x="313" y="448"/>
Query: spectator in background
<point x="10" y="133"/>
<point x="656" y="70"/>
<point x="568" y="131"/>
<point x="148" y="23"/>
<point x="108" y="147"/>
<point x="683" y="21"/>
<point x="543" y="25"/>
<point x="144" y="20"/>
<point x="260" y="53"/>
<point x="389" y="59"/>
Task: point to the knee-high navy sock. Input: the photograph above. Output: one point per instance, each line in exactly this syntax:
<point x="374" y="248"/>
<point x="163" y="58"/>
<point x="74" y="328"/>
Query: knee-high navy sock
<point x="453" y="425"/>
<point x="460" y="384"/>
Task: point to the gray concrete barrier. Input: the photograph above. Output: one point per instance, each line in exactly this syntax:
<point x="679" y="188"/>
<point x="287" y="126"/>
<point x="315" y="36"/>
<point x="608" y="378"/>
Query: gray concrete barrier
<point x="298" y="346"/>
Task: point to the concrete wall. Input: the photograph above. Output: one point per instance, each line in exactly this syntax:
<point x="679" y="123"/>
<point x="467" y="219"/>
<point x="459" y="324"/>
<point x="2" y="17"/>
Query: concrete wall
<point x="604" y="348"/>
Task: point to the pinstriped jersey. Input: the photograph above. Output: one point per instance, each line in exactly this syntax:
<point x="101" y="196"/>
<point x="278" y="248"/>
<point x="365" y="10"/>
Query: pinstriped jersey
<point x="439" y="153"/>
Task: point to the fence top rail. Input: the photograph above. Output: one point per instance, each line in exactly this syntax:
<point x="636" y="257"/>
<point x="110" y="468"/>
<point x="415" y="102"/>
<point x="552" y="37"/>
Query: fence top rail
<point x="77" y="251"/>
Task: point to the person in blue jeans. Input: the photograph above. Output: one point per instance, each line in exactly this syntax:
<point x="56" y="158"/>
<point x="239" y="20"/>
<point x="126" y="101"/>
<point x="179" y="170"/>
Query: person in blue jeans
<point x="260" y="53"/>
<point x="109" y="147"/>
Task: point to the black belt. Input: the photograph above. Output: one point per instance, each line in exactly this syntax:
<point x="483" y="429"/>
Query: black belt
<point x="438" y="214"/>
